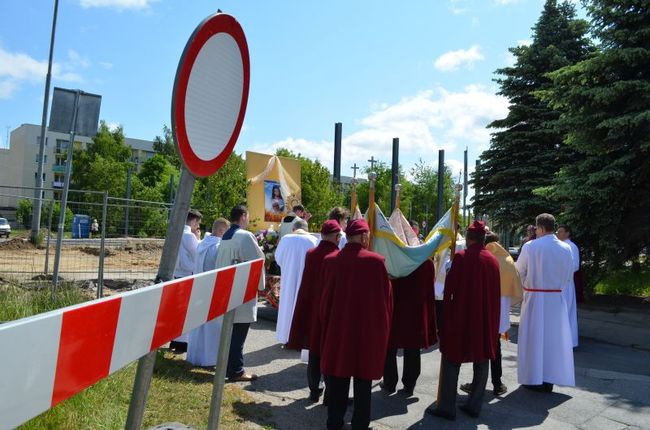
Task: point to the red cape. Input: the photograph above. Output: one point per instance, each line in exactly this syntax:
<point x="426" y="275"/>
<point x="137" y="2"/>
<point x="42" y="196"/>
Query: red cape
<point x="356" y="312"/>
<point x="414" y="317"/>
<point x="471" y="307"/>
<point x="305" y="327"/>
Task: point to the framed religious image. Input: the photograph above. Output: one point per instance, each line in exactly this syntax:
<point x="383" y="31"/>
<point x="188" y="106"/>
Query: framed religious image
<point x="274" y="204"/>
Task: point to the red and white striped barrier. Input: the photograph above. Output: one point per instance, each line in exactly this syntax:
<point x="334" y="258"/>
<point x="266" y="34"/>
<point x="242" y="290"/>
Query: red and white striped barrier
<point x="52" y="356"/>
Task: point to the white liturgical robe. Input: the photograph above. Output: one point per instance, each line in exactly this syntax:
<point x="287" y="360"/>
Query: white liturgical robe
<point x="241" y="247"/>
<point x="570" y="294"/>
<point x="545" y="347"/>
<point x="203" y="341"/>
<point x="290" y="256"/>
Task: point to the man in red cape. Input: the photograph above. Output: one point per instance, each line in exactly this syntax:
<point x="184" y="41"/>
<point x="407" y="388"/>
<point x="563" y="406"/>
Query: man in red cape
<point x="356" y="313"/>
<point x="471" y="322"/>
<point x="305" y="327"/>
<point x="413" y="327"/>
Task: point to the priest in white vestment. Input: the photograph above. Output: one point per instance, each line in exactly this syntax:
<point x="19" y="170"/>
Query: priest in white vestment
<point x="564" y="234"/>
<point x="290" y="256"/>
<point x="203" y="342"/>
<point x="545" y="355"/>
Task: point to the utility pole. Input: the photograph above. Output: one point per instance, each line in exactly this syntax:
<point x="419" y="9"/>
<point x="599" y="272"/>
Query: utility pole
<point x="38" y="193"/>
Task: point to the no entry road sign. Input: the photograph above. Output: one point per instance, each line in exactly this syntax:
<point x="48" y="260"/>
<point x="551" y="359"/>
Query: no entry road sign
<point x="210" y="94"/>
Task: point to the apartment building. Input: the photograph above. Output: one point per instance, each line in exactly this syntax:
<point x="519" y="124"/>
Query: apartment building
<point x="19" y="162"/>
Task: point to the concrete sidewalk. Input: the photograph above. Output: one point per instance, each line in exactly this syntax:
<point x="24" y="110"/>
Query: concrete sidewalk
<point x="612" y="386"/>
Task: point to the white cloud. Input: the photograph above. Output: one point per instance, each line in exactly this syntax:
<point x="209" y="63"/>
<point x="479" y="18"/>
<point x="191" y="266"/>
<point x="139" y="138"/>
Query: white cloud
<point x="458" y="7"/>
<point x="524" y="42"/>
<point x="113" y="126"/>
<point x="505" y="2"/>
<point x="117" y="4"/>
<point x="452" y="60"/>
<point x="77" y="61"/>
<point x="106" y="65"/>
<point x="428" y="121"/>
<point x="17" y="68"/>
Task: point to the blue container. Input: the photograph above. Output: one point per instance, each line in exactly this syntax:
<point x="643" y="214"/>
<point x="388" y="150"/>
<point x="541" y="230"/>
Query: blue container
<point x="81" y="226"/>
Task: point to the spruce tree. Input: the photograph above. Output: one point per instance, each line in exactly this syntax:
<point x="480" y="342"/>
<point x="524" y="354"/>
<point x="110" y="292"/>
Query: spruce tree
<point x="605" y="102"/>
<point x="526" y="149"/>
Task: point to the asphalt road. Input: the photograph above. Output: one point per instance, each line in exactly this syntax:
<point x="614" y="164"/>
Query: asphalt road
<point x="612" y="392"/>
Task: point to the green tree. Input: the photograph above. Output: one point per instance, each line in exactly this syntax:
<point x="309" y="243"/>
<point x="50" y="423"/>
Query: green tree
<point x="165" y="146"/>
<point x="527" y="149"/>
<point x="605" y="105"/>
<point x="425" y="192"/>
<point x="215" y="195"/>
<point x="318" y="193"/>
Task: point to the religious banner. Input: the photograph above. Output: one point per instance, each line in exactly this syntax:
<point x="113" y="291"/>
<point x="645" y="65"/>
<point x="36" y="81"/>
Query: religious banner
<point x="273" y="188"/>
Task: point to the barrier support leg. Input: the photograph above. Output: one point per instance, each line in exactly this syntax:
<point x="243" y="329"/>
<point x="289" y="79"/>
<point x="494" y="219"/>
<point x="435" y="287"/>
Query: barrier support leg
<point x="220" y="370"/>
<point x="143" y="377"/>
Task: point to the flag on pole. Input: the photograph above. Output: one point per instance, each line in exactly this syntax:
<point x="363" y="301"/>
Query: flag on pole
<point x="402" y="259"/>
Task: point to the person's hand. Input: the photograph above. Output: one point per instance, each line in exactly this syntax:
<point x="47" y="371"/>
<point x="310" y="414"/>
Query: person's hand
<point x="197" y="233"/>
<point x="307" y="216"/>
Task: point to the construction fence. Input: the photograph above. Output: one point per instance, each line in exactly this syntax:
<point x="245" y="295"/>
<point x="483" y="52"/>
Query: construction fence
<point x="130" y="233"/>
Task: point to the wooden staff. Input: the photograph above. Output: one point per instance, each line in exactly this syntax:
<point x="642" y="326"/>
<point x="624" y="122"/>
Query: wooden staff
<point x="452" y="252"/>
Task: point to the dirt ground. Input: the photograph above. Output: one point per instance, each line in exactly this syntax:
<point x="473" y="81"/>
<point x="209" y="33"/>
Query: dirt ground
<point x="22" y="260"/>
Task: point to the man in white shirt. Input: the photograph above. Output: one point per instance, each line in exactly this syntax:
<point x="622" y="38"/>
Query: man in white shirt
<point x="203" y="342"/>
<point x="545" y="355"/>
<point x="185" y="262"/>
<point x="290" y="256"/>
<point x="237" y="246"/>
<point x="186" y="259"/>
<point x="564" y="234"/>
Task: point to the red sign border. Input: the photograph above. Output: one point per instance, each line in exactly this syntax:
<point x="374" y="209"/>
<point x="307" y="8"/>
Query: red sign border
<point x="217" y="23"/>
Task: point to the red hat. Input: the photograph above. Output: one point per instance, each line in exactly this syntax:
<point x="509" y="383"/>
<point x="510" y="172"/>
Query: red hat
<point x="330" y="226"/>
<point x="357" y="226"/>
<point x="477" y="227"/>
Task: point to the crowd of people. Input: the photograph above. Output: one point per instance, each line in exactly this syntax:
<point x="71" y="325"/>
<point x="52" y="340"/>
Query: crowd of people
<point x="338" y="302"/>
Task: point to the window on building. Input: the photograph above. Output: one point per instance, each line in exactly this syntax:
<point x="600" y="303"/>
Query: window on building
<point x="38" y="140"/>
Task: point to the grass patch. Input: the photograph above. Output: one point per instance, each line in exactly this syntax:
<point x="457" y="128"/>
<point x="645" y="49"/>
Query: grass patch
<point x="626" y="282"/>
<point x="179" y="392"/>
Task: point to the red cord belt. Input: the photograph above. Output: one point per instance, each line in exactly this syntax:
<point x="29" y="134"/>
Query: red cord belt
<point x="542" y="291"/>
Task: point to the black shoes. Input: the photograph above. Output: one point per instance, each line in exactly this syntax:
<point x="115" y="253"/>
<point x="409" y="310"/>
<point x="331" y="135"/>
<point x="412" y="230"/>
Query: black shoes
<point x="406" y="391"/>
<point x="542" y="388"/>
<point x="498" y="390"/>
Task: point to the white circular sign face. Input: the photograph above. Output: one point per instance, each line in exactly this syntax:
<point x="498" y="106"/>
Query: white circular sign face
<point x="214" y="96"/>
<point x="210" y="94"/>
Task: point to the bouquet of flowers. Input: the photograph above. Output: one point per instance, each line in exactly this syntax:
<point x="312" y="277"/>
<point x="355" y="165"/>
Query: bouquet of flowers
<point x="268" y="242"/>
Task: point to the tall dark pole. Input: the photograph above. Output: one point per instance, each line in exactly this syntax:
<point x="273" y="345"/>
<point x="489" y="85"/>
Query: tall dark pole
<point x="465" y="187"/>
<point x="38" y="193"/>
<point x="395" y="174"/>
<point x="476" y="193"/>
<point x="338" y="130"/>
<point x="441" y="183"/>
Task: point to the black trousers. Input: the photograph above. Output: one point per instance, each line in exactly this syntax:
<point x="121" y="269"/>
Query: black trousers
<point x="439" y="310"/>
<point x="411" y="370"/>
<point x="313" y="374"/>
<point x="495" y="365"/>
<point x="449" y="386"/>
<point x="338" y="389"/>
<point x="236" y="353"/>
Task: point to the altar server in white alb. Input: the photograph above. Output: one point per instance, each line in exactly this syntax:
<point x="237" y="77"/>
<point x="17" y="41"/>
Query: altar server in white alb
<point x="185" y="262"/>
<point x="203" y="341"/>
<point x="290" y="256"/>
<point x="564" y="233"/>
<point x="545" y="354"/>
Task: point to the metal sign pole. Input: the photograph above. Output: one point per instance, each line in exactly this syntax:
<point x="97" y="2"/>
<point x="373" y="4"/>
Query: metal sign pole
<point x="144" y="373"/>
<point x="49" y="236"/>
<point x="64" y="197"/>
<point x="100" y="274"/>
<point x="220" y="370"/>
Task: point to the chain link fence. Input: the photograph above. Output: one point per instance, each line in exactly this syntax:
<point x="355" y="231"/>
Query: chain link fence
<point x="107" y="241"/>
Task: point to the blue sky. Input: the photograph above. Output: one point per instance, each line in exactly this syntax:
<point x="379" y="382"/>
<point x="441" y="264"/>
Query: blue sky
<point x="418" y="70"/>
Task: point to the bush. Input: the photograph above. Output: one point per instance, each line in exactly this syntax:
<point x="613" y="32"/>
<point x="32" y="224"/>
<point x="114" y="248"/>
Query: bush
<point x="24" y="213"/>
